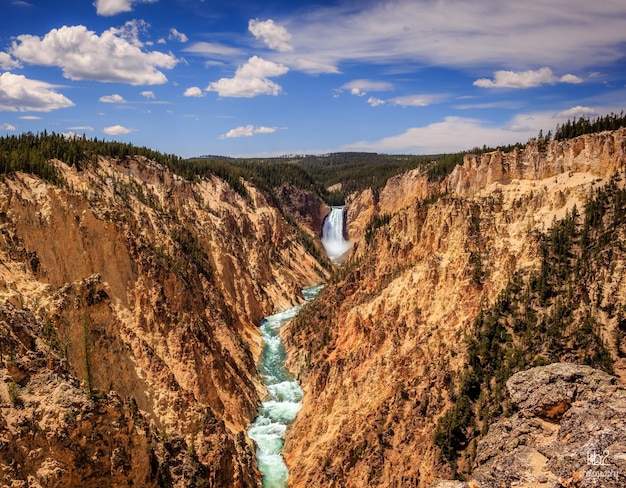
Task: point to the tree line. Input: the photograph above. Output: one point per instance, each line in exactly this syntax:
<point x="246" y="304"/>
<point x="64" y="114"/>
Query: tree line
<point x="583" y="125"/>
<point x="32" y="153"/>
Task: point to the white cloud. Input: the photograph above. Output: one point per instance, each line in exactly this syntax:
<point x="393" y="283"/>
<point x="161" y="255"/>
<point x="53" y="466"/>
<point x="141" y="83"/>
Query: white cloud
<point x="260" y="68"/>
<point x="177" y="36"/>
<point x="456" y="33"/>
<point x="525" y="79"/>
<point x="416" y="100"/>
<point x="452" y="134"/>
<point x="29" y="117"/>
<point x="504" y="104"/>
<point x="193" y="91"/>
<point x="7" y="127"/>
<point x="375" y="102"/>
<point x="115" y="98"/>
<point x="361" y="87"/>
<point x="367" y="86"/>
<point x="456" y="134"/>
<point x="7" y="62"/>
<point x="251" y="80"/>
<point x="116" y="130"/>
<point x="113" y="7"/>
<point x="18" y="93"/>
<point x="114" y="56"/>
<point x="81" y="127"/>
<point x="568" y="78"/>
<point x="577" y="112"/>
<point x="275" y="36"/>
<point x="247" y="131"/>
<point x="149" y="94"/>
<point x="310" y="65"/>
<point x="213" y="49"/>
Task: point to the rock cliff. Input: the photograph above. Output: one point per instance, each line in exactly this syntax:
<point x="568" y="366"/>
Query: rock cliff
<point x="570" y="430"/>
<point x="383" y="354"/>
<point x="128" y="327"/>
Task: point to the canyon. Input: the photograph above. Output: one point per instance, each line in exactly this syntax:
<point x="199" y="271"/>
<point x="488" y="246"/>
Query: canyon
<point x="382" y="354"/>
<point x="132" y="298"/>
<point x="130" y="304"/>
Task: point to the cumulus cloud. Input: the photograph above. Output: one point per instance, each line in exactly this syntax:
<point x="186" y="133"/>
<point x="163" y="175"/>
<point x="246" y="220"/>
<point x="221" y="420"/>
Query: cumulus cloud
<point x="525" y="79"/>
<point x="7" y="62"/>
<point x="149" y="94"/>
<point x="108" y="8"/>
<point x="251" y="79"/>
<point x="116" y="130"/>
<point x="115" y="98"/>
<point x="358" y="92"/>
<point x="177" y="36"/>
<point x="375" y="102"/>
<point x="273" y="35"/>
<point x="247" y="131"/>
<point x="114" y="56"/>
<point x="569" y="78"/>
<point x="577" y="112"/>
<point x="18" y="93"/>
<point x="193" y="91"/>
<point x="7" y="127"/>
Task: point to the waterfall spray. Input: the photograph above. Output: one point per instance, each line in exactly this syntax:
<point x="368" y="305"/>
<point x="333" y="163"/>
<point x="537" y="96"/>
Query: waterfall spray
<point x="333" y="236"/>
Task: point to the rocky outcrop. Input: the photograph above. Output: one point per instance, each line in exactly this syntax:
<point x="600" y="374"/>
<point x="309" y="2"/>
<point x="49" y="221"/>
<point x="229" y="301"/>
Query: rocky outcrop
<point x="596" y="154"/>
<point x="381" y="353"/>
<point x="359" y="211"/>
<point x="53" y="433"/>
<point x="591" y="154"/>
<point x="570" y="431"/>
<point x="140" y="293"/>
<point x="304" y="207"/>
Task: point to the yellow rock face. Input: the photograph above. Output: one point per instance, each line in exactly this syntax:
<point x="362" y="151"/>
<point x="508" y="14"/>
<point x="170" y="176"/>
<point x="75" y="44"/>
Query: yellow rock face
<point x="376" y="355"/>
<point x="136" y="282"/>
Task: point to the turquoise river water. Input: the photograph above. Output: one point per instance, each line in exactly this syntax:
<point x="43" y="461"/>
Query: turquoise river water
<point x="284" y="398"/>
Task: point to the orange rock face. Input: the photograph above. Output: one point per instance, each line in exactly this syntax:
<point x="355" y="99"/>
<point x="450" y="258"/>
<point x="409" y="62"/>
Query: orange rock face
<point x="377" y="352"/>
<point x="129" y="325"/>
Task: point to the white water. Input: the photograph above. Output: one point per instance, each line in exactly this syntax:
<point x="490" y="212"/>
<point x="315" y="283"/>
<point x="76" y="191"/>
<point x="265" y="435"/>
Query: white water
<point x="284" y="398"/>
<point x="333" y="236"/>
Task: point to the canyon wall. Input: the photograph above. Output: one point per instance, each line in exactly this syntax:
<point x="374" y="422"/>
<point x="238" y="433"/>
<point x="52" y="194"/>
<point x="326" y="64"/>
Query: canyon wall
<point x="383" y="352"/>
<point x="128" y="325"/>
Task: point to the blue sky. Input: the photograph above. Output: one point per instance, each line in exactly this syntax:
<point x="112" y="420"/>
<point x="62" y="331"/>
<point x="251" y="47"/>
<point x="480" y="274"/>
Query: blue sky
<point x="279" y="77"/>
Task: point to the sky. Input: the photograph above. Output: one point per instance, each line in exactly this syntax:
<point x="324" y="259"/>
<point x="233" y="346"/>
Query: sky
<point x="283" y="77"/>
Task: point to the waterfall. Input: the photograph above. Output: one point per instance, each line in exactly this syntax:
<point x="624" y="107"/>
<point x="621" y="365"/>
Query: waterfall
<point x="284" y="398"/>
<point x="333" y="236"/>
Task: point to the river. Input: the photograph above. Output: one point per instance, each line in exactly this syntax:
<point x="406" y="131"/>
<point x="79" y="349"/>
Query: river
<point x="284" y="398"/>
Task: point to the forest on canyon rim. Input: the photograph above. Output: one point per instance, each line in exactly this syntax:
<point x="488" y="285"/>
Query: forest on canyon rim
<point x="133" y="283"/>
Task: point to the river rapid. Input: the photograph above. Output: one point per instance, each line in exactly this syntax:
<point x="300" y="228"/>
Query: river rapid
<point x="284" y="398"/>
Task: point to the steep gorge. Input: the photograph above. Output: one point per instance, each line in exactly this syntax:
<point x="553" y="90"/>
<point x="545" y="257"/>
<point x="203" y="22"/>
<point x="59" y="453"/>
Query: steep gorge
<point x="131" y="299"/>
<point x="383" y="353"/>
<point x="128" y="324"/>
